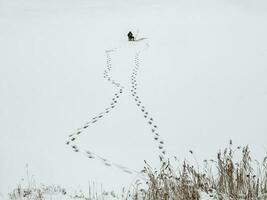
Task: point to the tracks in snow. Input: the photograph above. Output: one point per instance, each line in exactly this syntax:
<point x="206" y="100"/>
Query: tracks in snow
<point x="150" y="120"/>
<point x="114" y="102"/>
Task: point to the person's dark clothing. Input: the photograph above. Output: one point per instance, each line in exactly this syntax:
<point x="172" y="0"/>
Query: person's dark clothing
<point x="130" y="36"/>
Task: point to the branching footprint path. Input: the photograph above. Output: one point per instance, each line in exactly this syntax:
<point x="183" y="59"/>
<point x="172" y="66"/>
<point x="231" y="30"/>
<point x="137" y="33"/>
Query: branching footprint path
<point x="71" y="142"/>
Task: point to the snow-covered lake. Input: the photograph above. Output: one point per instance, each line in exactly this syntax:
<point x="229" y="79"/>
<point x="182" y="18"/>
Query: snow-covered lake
<point x="202" y="76"/>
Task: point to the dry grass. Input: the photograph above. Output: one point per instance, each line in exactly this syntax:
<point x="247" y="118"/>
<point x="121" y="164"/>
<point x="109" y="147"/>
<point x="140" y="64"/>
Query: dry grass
<point x="221" y="178"/>
<point x="232" y="175"/>
<point x="31" y="191"/>
<point x="36" y="193"/>
<point x="57" y="192"/>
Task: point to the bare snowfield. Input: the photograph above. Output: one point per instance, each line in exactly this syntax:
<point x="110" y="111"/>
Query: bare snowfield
<point x="202" y="77"/>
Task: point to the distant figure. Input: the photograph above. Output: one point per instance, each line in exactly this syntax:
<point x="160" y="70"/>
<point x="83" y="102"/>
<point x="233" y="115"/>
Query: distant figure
<point x="130" y="36"/>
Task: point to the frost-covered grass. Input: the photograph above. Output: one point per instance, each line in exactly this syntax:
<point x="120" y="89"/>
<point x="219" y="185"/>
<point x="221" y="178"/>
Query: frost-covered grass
<point x="54" y="192"/>
<point x="232" y="175"/>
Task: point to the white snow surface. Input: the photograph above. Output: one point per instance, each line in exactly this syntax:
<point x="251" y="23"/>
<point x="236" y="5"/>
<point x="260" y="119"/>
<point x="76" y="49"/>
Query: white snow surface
<point x="202" y="78"/>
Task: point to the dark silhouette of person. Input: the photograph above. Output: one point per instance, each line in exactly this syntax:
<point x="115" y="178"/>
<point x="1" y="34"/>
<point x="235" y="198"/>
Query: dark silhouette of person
<point x="130" y="36"/>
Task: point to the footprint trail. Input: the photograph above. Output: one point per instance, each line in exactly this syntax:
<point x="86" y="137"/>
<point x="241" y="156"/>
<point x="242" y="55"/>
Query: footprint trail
<point x="72" y="139"/>
<point x="147" y="116"/>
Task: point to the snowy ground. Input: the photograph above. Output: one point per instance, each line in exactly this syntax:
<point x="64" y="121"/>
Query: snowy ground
<point x="202" y="78"/>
